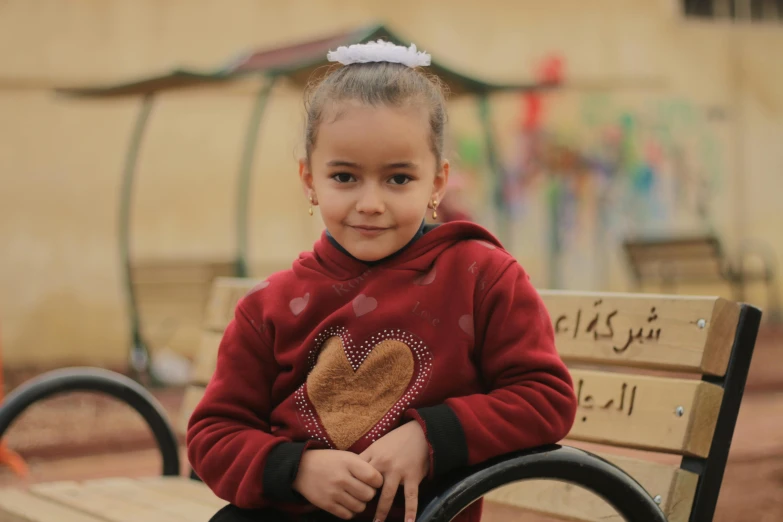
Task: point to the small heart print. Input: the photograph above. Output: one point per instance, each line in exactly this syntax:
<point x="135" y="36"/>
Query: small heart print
<point x="486" y="244"/>
<point x="466" y="324"/>
<point x="364" y="305"/>
<point x="259" y="286"/>
<point x="299" y="303"/>
<point x="425" y="279"/>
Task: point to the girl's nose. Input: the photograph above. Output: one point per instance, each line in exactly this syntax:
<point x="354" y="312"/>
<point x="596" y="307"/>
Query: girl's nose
<point x="370" y="201"/>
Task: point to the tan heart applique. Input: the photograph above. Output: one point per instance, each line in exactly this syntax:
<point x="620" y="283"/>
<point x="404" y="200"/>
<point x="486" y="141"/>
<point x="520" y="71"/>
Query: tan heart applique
<point x="353" y="393"/>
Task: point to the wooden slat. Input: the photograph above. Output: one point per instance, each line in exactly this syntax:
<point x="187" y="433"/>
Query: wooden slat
<point x="630" y="410"/>
<point x="185" y="488"/>
<point x="158" y="500"/>
<point x="21" y="506"/>
<point x="226" y="292"/>
<point x="190" y="400"/>
<point x="682" y="269"/>
<point x="674" y="251"/>
<point x="167" y="271"/>
<point x="675" y="486"/>
<point x="689" y="334"/>
<point x="99" y="504"/>
<point x="206" y="359"/>
<point x="639" y="411"/>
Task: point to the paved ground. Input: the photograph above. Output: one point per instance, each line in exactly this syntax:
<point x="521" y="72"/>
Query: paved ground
<point x="85" y="436"/>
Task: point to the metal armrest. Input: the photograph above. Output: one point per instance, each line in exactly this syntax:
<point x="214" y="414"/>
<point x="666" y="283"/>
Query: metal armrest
<point x="551" y="462"/>
<point x="96" y="380"/>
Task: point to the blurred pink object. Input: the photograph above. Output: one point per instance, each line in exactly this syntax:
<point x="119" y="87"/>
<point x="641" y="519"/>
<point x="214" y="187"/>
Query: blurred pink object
<point x="453" y="208"/>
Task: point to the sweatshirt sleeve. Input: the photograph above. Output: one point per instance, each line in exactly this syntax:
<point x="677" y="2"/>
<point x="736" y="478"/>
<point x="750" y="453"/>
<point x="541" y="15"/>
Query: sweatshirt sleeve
<point x="530" y="400"/>
<point x="229" y="442"/>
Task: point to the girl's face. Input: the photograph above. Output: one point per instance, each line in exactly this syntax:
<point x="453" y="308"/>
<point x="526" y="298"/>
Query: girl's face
<point x="373" y="174"/>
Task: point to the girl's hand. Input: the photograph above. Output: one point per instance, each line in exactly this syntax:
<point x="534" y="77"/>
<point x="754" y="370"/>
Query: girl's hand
<point x="336" y="481"/>
<point x="402" y="456"/>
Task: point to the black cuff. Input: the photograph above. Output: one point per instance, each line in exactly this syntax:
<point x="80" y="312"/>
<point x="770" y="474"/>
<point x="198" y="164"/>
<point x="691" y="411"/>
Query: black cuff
<point x="280" y="470"/>
<point x="447" y="438"/>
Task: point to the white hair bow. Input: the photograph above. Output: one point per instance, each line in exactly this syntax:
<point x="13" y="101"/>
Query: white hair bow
<point x="379" y="51"/>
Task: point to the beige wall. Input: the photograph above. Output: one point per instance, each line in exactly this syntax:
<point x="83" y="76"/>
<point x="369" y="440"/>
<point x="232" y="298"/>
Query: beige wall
<point x="60" y="160"/>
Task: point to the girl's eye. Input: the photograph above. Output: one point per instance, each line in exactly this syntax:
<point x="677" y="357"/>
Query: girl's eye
<point x="343" y="177"/>
<point x="400" y="179"/>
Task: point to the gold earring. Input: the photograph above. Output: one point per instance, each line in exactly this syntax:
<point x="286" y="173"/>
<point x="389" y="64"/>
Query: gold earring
<point x="311" y="206"/>
<point x="434" y="209"/>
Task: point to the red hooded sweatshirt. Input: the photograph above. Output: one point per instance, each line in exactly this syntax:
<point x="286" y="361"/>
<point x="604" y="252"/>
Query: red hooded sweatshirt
<point x="335" y="353"/>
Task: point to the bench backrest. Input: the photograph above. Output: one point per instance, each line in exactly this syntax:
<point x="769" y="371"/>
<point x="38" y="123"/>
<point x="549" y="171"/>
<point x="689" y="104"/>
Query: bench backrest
<point x="690" y="258"/>
<point x="658" y="373"/>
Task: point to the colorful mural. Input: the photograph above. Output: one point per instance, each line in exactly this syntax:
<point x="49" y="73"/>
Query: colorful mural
<point x="621" y="170"/>
<point x="611" y="167"/>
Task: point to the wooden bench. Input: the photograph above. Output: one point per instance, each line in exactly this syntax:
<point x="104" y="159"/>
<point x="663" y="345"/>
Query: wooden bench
<point x="658" y="378"/>
<point x="171" y="295"/>
<point x="699" y="259"/>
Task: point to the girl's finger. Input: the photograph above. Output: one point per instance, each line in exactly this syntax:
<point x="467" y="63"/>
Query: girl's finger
<point x="341" y="512"/>
<point x="411" y="499"/>
<point x="351" y="503"/>
<point x="359" y="490"/>
<point x="391" y="483"/>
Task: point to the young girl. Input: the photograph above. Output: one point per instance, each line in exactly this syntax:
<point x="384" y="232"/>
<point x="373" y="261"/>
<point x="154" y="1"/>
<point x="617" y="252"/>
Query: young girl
<point x="395" y="351"/>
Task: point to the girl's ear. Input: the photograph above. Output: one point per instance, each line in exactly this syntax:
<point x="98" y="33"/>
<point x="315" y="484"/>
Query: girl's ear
<point x="306" y="177"/>
<point x="441" y="181"/>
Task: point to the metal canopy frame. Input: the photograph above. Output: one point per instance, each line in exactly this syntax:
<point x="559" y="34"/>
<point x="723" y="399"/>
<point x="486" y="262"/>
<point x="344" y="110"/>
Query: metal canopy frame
<point x="295" y="63"/>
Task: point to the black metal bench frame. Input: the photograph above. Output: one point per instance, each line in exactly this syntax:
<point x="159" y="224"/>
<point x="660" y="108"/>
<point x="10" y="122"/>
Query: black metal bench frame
<point x="464" y="487"/>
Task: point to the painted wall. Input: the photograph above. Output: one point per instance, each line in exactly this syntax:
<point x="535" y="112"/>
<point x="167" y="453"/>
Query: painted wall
<point x="702" y="143"/>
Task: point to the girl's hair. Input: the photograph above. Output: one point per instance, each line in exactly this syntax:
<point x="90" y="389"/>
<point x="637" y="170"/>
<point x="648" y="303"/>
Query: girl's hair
<point x="377" y="83"/>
